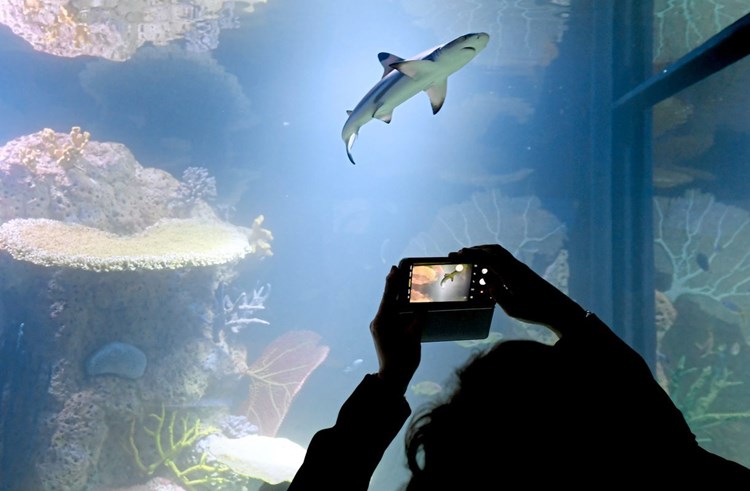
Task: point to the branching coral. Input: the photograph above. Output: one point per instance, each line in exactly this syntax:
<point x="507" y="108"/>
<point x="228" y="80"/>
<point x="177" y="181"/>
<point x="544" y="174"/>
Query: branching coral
<point x="52" y="149"/>
<point x="703" y="248"/>
<point x="70" y="152"/>
<point x="173" y="442"/>
<point x="260" y="238"/>
<point x="240" y="313"/>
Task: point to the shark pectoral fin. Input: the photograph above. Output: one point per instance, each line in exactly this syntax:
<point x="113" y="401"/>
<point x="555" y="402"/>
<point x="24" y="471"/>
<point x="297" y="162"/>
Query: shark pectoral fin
<point x="436" y="93"/>
<point x="384" y="117"/>
<point x="349" y="144"/>
<point x="387" y="59"/>
<point x="414" y="68"/>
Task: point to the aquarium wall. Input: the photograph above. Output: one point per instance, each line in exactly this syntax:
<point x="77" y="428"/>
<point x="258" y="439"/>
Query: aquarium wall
<point x="195" y="233"/>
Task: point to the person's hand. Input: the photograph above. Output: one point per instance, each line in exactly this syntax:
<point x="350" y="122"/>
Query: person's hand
<point x="521" y="292"/>
<point x="397" y="338"/>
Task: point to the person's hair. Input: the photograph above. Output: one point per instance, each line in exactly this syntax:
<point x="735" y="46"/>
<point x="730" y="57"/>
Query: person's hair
<point x="498" y="421"/>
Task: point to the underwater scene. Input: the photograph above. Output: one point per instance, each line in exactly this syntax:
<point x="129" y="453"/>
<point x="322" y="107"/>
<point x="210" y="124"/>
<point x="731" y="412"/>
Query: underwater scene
<point x="200" y="201"/>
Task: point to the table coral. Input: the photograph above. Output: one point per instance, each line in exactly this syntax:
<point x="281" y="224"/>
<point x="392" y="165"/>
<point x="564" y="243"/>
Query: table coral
<point x="169" y="244"/>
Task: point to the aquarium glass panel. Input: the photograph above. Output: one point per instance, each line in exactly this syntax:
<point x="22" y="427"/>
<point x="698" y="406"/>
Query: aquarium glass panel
<point x="200" y="201"/>
<point x="701" y="139"/>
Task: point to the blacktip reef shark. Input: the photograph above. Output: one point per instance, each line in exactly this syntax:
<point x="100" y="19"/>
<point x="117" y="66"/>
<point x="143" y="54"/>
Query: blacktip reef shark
<point x="402" y="79"/>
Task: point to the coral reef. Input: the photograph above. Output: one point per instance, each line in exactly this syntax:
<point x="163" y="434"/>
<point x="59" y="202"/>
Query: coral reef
<point x="702" y="248"/>
<point x="149" y="309"/>
<point x="115" y="30"/>
<point x="70" y="178"/>
<point x="78" y="433"/>
<point x="114" y="265"/>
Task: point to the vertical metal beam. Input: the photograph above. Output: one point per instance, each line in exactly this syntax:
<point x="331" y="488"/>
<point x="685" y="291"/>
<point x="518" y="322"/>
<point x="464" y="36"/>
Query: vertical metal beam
<point x="617" y="239"/>
<point x="632" y="178"/>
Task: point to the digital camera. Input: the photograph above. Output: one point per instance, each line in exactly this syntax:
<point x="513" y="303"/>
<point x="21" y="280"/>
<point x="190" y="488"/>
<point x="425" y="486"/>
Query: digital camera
<point x="453" y="295"/>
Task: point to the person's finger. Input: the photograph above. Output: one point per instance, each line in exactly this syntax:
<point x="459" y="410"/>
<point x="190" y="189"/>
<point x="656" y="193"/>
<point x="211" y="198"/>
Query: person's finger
<point x="390" y="290"/>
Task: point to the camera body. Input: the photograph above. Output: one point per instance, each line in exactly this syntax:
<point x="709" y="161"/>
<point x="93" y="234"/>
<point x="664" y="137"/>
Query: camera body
<point x="452" y="294"/>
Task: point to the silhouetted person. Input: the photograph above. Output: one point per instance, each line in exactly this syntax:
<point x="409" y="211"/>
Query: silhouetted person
<point x="585" y="412"/>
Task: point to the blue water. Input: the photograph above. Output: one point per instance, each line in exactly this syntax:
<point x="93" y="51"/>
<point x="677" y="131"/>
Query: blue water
<point x="258" y="99"/>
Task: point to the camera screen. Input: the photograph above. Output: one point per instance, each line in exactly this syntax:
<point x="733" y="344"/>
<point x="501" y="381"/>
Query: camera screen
<point x="440" y="283"/>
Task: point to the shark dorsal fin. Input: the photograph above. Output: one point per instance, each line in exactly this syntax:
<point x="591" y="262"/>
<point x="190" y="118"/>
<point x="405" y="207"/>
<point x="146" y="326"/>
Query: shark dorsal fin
<point x="414" y="68"/>
<point x="387" y="59"/>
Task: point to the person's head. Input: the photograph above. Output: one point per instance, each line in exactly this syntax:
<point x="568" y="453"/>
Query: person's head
<point x="513" y="414"/>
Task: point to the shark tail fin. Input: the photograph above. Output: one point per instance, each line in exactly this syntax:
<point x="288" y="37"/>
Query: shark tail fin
<point x="349" y="145"/>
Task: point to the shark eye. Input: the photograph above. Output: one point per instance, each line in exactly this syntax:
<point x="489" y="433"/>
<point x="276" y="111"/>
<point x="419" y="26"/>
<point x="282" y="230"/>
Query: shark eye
<point x="469" y="48"/>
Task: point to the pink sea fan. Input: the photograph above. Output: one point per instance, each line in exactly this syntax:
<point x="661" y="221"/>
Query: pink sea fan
<point x="277" y="376"/>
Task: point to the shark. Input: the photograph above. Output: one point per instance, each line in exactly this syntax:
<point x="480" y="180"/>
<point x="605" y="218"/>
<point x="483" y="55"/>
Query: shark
<point x="404" y="78"/>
